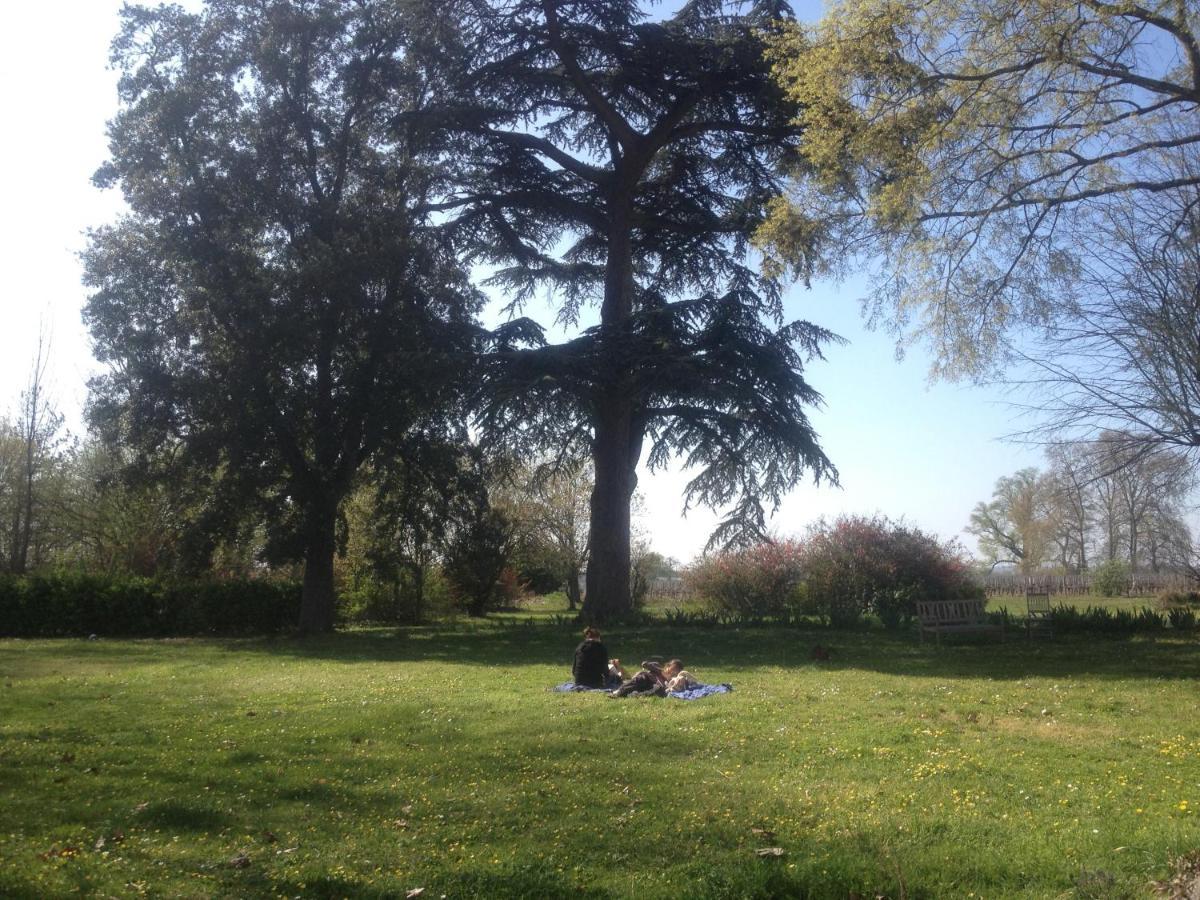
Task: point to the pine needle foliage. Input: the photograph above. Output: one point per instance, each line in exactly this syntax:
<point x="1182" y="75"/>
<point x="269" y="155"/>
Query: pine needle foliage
<point x="623" y="162"/>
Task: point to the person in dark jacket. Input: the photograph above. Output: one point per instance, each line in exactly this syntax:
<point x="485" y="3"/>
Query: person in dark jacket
<point x="591" y="660"/>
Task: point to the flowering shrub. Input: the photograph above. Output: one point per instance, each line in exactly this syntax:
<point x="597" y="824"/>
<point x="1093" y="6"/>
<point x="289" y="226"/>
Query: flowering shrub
<point x="860" y="564"/>
<point x="759" y="581"/>
<point x="839" y="571"/>
<point x="511" y="590"/>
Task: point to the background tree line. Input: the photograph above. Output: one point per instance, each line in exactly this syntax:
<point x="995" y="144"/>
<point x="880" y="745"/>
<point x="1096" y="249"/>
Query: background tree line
<point x="1094" y="503"/>
<point x="422" y="537"/>
<point x="448" y="530"/>
<point x="289" y="310"/>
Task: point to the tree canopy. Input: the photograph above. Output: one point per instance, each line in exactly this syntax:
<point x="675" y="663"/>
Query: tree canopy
<point x="273" y="309"/>
<point x="1123" y="355"/>
<point x="966" y="147"/>
<point x="623" y="163"/>
<point x="1012" y="527"/>
<point x="1100" y="499"/>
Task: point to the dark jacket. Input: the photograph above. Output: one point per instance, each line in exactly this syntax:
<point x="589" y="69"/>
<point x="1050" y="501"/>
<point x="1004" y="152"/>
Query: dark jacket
<point x="591" y="664"/>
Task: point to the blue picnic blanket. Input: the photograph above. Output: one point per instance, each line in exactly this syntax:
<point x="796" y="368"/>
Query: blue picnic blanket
<point x="568" y="687"/>
<point x="700" y="690"/>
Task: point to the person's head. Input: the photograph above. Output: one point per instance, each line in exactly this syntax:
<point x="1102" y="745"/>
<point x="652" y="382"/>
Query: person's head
<point x="591" y="633"/>
<point x="673" y="668"/>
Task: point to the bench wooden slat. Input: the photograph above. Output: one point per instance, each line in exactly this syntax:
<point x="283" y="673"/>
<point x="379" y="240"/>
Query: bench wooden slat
<point x="953" y="616"/>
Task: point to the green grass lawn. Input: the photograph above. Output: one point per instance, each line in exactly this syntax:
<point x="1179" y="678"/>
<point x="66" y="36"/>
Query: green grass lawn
<point x="376" y="762"/>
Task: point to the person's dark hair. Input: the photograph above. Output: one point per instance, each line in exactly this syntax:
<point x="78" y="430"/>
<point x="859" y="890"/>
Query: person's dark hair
<point x="674" y="663"/>
<point x="591" y="633"/>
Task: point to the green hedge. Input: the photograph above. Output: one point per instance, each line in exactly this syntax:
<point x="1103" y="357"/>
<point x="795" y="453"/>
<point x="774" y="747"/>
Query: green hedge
<point x="75" y="604"/>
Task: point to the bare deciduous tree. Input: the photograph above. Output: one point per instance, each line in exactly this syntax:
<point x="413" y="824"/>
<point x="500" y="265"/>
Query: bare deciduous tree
<point x="549" y="507"/>
<point x="1104" y="499"/>
<point x="1123" y="356"/>
<point x="36" y="433"/>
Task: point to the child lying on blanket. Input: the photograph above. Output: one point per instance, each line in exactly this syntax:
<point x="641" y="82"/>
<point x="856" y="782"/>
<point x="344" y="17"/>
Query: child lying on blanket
<point x="657" y="681"/>
<point x="678" y="679"/>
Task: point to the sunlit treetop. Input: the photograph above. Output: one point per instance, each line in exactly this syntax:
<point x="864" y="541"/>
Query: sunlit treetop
<point x="963" y="145"/>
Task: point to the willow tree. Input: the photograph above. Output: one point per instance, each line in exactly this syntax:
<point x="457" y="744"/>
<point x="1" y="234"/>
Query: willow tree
<point x="622" y="163"/>
<point x="273" y="310"/>
<point x="965" y="146"/>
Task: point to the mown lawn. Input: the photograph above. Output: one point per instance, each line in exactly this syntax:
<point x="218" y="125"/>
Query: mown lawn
<point x="373" y="763"/>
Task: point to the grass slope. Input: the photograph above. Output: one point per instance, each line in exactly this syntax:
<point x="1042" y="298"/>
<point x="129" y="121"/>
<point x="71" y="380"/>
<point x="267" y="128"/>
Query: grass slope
<point x="372" y="763"/>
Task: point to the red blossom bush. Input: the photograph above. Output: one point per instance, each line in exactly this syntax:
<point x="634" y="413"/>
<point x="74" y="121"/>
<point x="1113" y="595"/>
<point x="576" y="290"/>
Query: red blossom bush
<point x="859" y="564"/>
<point x="839" y="571"/>
<point x="760" y="581"/>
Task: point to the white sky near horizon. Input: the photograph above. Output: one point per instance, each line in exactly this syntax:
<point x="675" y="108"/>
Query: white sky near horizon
<point x="904" y="448"/>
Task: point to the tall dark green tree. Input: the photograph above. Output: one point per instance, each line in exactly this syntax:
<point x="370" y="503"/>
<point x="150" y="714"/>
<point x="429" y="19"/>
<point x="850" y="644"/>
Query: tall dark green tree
<point x="420" y="496"/>
<point x="622" y="163"/>
<point x="273" y="310"/>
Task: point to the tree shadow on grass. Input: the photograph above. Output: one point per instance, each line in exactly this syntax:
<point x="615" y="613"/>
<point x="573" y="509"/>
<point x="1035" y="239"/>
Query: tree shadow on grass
<point x="174" y="816"/>
<point x="509" y="883"/>
<point x="719" y="653"/>
<point x="761" y="880"/>
<point x="757" y="649"/>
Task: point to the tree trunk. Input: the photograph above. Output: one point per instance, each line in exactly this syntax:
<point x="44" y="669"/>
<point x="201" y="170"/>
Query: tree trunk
<point x="615" y="445"/>
<point x="615" y="452"/>
<point x="573" y="598"/>
<point x="15" y="537"/>
<point x="317" y="598"/>
<point x="22" y="550"/>
<point x="23" y="511"/>
<point x="418" y="594"/>
<point x="32" y="407"/>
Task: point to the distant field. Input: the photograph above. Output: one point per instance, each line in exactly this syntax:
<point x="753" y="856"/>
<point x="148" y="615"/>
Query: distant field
<point x="373" y="763"/>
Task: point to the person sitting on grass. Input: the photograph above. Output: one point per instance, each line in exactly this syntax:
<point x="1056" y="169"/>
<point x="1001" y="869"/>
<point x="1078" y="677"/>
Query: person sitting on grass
<point x="591" y="668"/>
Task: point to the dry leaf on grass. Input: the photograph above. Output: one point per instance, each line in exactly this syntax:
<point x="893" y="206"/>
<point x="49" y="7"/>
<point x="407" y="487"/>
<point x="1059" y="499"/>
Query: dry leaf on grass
<point x="1184" y="883"/>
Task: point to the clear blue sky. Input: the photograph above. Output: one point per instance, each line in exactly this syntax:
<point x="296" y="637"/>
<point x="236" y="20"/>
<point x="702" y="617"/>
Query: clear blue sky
<point x="927" y="453"/>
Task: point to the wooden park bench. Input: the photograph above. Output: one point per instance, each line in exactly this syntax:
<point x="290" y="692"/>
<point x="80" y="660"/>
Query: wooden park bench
<point x="953" y="617"/>
<point x="1037" y="613"/>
